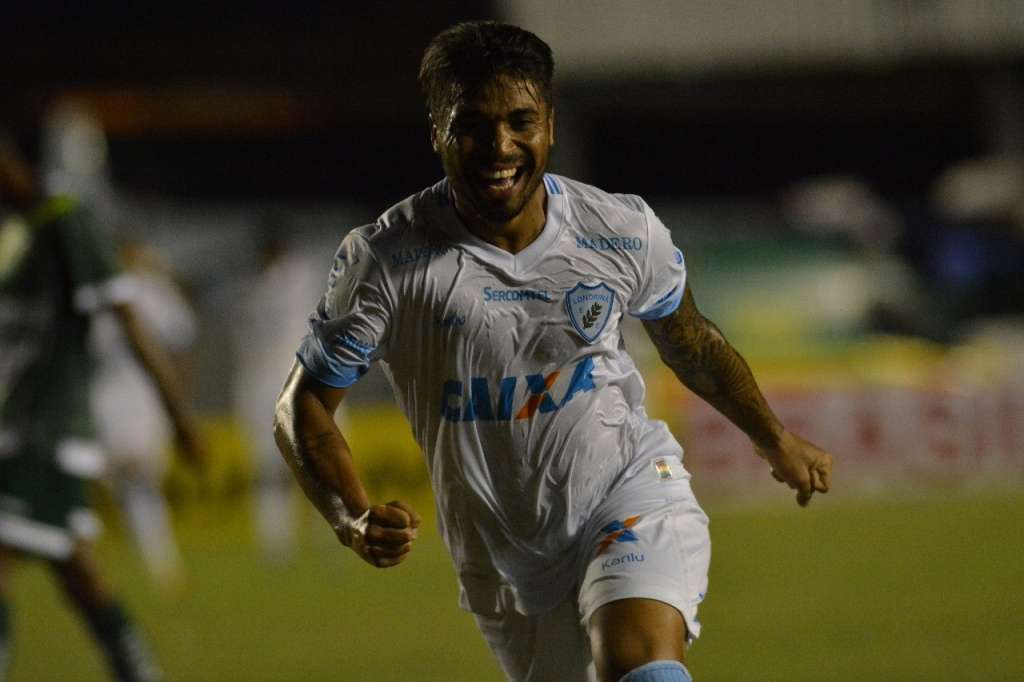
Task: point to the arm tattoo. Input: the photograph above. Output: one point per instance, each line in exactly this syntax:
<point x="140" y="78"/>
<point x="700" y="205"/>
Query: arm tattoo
<point x="695" y="349"/>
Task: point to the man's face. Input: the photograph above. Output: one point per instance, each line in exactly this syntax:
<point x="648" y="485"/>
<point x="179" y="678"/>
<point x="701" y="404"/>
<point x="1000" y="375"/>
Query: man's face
<point x="494" y="145"/>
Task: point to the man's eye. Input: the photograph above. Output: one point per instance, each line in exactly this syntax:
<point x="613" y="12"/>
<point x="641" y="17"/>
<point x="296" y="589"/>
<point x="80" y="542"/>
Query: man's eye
<point x="523" y="122"/>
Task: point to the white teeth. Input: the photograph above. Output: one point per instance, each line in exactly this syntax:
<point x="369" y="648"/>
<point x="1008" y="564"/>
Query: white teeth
<point x="499" y="175"/>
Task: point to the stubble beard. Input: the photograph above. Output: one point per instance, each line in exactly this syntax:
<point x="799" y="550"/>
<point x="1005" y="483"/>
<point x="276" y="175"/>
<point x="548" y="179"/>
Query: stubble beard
<point x="503" y="213"/>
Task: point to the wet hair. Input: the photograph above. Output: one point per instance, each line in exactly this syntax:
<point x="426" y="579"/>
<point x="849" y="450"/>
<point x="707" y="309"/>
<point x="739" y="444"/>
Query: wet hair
<point x="466" y="56"/>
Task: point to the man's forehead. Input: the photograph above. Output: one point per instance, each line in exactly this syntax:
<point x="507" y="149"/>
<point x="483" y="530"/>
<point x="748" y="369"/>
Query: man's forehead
<point x="501" y="92"/>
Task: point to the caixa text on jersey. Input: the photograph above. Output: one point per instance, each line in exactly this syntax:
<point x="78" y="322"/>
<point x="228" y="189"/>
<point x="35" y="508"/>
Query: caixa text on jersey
<point x="513" y="397"/>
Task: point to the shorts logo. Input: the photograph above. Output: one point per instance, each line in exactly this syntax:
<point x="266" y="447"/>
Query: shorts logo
<point x="589" y="307"/>
<point x="618" y="531"/>
<point x="630" y="558"/>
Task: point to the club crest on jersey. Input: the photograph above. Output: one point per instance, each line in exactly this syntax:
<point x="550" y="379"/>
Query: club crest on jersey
<point x="589" y="307"/>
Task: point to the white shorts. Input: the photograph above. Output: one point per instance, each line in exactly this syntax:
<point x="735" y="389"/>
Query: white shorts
<point x="648" y="540"/>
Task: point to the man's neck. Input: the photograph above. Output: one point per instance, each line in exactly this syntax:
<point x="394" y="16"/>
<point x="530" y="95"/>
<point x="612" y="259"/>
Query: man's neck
<point x="516" y="234"/>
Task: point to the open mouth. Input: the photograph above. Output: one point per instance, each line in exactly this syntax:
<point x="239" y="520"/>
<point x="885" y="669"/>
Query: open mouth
<point x="503" y="180"/>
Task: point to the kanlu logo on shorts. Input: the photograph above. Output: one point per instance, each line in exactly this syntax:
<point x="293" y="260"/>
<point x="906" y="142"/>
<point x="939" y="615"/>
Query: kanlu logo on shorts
<point x="618" y="531"/>
<point x="630" y="558"/>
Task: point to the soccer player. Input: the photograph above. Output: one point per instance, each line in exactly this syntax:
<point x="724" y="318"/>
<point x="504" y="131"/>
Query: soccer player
<point x="271" y="305"/>
<point x="57" y="270"/>
<point x="493" y="300"/>
<point x="131" y="421"/>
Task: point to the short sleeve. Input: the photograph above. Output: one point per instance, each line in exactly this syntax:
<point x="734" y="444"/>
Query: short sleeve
<point x="97" y="280"/>
<point x="351" y="321"/>
<point x="663" y="278"/>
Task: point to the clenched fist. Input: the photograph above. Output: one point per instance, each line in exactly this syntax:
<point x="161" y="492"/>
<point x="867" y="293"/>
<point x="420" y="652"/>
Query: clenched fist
<point x="383" y="535"/>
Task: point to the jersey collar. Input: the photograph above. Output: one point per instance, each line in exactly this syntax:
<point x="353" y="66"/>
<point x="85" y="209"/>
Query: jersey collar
<point x="526" y="259"/>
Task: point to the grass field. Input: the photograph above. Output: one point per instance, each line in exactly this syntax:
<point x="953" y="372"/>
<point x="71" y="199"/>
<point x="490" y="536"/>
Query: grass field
<point x="923" y="588"/>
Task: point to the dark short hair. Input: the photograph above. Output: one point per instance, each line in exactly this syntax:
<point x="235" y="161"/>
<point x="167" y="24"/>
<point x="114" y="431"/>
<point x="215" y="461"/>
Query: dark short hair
<point x="466" y="56"/>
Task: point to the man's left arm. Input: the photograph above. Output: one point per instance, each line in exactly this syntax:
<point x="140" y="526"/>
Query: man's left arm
<point x="695" y="349"/>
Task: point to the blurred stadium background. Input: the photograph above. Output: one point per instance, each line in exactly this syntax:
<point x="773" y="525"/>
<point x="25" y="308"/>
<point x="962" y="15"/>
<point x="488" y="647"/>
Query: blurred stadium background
<point x="846" y="178"/>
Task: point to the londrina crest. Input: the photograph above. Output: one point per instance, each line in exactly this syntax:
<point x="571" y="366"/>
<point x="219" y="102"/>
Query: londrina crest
<point x="590" y="307"/>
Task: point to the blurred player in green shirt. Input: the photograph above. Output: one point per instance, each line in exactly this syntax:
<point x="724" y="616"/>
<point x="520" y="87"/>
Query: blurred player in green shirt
<point x="57" y="269"/>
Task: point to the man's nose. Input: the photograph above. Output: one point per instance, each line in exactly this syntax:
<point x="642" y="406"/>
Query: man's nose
<point x="502" y="140"/>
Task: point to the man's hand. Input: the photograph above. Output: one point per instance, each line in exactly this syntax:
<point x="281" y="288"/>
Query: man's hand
<point x="382" y="536"/>
<point x="695" y="349"/>
<point x="799" y="464"/>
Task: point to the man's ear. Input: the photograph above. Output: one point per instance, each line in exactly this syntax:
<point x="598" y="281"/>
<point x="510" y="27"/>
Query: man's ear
<point x="551" y="127"/>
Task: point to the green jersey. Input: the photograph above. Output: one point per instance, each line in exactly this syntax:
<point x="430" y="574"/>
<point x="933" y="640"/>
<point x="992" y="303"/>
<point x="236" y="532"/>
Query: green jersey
<point x="57" y="267"/>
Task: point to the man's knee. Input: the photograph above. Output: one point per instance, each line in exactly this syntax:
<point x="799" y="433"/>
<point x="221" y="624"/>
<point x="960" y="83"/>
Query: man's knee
<point x="628" y="634"/>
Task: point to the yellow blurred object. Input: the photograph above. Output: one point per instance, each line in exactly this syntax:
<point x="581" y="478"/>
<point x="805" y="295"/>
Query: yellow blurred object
<point x="229" y="470"/>
<point x="388" y="459"/>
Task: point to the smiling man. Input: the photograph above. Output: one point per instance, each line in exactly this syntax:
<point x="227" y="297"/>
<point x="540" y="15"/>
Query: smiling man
<point x="493" y="300"/>
<point x="493" y="141"/>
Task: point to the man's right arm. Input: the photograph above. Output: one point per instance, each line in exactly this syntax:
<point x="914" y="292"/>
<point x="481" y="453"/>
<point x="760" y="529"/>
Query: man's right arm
<point x="321" y="460"/>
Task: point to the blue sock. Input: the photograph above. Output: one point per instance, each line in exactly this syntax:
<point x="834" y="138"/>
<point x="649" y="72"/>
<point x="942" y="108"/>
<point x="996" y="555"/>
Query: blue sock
<point x="658" y="671"/>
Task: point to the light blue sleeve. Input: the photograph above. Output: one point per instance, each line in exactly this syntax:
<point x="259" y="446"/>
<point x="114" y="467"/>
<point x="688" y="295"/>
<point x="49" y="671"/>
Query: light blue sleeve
<point x="351" y="322"/>
<point x="663" y="277"/>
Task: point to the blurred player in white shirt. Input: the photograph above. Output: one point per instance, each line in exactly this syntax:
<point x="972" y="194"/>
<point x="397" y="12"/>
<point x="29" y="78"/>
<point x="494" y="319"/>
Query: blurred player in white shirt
<point x="493" y="300"/>
<point x="132" y="424"/>
<point x="269" y="317"/>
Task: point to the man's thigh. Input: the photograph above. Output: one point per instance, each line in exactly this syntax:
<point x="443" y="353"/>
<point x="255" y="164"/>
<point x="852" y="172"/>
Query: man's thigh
<point x="540" y="648"/>
<point x="652" y="543"/>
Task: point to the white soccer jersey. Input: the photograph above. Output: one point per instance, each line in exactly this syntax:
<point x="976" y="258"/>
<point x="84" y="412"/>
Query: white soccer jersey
<point x="130" y="419"/>
<point x="510" y="367"/>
